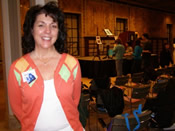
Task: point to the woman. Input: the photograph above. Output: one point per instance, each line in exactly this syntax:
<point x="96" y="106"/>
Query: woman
<point x="44" y="85"/>
<point x="146" y="52"/>
<point x="137" y="57"/>
<point x="127" y="63"/>
<point x="119" y="51"/>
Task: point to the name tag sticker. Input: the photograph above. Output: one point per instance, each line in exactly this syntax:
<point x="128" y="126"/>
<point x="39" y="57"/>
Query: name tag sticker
<point x="29" y="76"/>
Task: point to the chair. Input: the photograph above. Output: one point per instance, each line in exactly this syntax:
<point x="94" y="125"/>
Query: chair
<point x="121" y="80"/>
<point x="96" y="86"/>
<point x="160" y="71"/>
<point x="137" y="77"/>
<point x="83" y="106"/>
<point x="159" y="86"/>
<point x="138" y="93"/>
<point x="169" y="70"/>
<point x="119" y="123"/>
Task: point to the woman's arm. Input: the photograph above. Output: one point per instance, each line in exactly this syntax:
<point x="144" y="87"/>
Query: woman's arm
<point x="77" y="83"/>
<point x="14" y="92"/>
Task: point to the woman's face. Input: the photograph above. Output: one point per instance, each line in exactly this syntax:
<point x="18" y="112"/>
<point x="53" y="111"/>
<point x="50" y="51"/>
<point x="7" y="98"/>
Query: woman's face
<point x="45" y="31"/>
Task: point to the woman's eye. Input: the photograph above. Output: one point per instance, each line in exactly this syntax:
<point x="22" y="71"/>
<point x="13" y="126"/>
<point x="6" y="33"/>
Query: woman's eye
<point x="40" y="25"/>
<point x="54" y="26"/>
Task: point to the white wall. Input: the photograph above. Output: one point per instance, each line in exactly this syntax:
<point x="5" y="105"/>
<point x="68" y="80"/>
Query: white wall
<point x="11" y="33"/>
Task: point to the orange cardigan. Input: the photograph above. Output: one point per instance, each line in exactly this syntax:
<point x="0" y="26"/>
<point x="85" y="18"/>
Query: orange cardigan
<point x="26" y="98"/>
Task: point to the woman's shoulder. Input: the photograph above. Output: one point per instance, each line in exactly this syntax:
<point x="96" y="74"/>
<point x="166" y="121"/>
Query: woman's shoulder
<point x="136" y="47"/>
<point x="139" y="47"/>
<point x="20" y="59"/>
<point x="69" y="57"/>
<point x="20" y="62"/>
<point x="70" y="60"/>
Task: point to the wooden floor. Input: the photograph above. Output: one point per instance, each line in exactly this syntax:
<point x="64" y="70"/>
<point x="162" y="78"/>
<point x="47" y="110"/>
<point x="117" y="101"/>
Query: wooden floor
<point x="92" y="122"/>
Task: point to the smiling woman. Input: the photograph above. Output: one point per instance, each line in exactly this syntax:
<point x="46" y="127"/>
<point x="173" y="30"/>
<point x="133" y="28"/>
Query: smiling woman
<point x="44" y="85"/>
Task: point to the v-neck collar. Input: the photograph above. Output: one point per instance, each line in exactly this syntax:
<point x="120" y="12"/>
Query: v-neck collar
<point x="34" y="66"/>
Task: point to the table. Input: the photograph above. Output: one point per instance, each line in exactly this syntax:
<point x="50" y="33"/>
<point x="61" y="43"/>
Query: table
<point x="97" y="68"/>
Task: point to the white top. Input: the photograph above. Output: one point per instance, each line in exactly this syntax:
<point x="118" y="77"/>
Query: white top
<point x="51" y="116"/>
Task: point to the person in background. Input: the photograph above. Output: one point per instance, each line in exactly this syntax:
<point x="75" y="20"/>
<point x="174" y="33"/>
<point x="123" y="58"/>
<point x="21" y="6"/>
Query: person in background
<point x="146" y="52"/>
<point x="147" y="66"/>
<point x="44" y="85"/>
<point x="119" y="51"/>
<point x="129" y="49"/>
<point x="127" y="64"/>
<point x="165" y="56"/>
<point x="107" y="49"/>
<point x="136" y="67"/>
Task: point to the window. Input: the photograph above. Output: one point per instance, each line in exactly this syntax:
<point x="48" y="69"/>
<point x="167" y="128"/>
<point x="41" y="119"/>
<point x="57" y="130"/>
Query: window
<point x="72" y="24"/>
<point x="121" y="26"/>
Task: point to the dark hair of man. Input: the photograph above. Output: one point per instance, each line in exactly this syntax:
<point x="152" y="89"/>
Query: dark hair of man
<point x="118" y="41"/>
<point x="50" y="9"/>
<point x="129" y="43"/>
<point x="137" y="42"/>
<point x="146" y="35"/>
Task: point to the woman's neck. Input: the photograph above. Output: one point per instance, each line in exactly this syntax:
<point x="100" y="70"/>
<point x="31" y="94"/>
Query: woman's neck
<point x="44" y="53"/>
<point x="44" y="57"/>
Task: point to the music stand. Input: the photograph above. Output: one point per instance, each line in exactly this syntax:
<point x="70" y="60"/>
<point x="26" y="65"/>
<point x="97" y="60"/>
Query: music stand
<point x="108" y="34"/>
<point x="98" y="40"/>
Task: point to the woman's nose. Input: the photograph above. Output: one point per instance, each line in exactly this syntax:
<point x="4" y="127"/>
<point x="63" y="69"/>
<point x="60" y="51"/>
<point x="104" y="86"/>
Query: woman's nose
<point x="47" y="29"/>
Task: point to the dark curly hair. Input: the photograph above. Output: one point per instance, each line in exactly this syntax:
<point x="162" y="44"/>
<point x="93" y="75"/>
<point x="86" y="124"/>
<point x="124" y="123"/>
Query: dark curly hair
<point x="51" y="9"/>
<point x="138" y="42"/>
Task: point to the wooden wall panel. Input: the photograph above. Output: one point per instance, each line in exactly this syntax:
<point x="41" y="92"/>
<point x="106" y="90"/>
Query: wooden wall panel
<point x="99" y="14"/>
<point x="74" y="6"/>
<point x="153" y="22"/>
